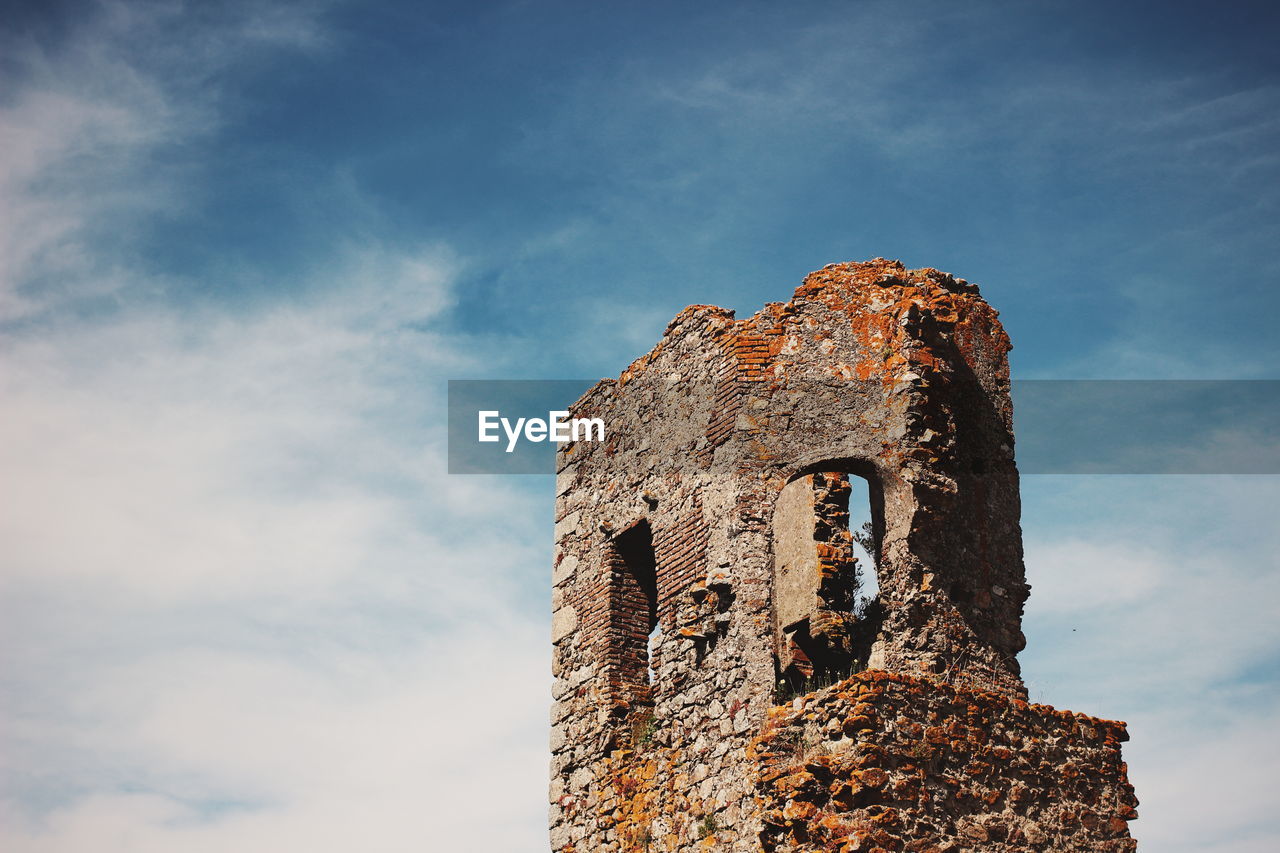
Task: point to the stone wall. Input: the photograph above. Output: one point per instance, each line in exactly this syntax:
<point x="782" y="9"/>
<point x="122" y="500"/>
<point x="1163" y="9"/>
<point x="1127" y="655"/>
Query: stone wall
<point x="702" y="560"/>
<point x="884" y="762"/>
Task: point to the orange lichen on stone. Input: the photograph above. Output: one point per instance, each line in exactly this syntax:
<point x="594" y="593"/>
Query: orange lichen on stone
<point x="999" y="745"/>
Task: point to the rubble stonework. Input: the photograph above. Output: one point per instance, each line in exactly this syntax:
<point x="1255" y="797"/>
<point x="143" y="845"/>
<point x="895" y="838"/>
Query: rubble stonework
<point x="705" y="584"/>
<point x="884" y="761"/>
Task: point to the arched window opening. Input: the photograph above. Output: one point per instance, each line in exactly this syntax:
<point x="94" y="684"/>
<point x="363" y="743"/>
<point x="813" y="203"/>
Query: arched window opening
<point x="826" y="544"/>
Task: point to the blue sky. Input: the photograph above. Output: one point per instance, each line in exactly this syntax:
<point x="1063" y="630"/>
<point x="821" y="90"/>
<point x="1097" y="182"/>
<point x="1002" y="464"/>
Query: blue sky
<point x="243" y="246"/>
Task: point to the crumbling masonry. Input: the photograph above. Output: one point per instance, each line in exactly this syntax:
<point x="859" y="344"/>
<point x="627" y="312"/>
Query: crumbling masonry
<point x="723" y="680"/>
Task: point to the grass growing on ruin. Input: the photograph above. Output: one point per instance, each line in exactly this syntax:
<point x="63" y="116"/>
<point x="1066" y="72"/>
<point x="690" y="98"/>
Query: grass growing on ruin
<point x="643" y="727"/>
<point x="788" y="689"/>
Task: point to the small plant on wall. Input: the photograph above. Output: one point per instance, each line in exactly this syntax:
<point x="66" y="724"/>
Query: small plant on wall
<point x="644" y="725"/>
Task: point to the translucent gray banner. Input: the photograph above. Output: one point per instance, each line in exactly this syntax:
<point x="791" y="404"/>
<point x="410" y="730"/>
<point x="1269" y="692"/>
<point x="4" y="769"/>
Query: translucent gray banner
<point x="1061" y="426"/>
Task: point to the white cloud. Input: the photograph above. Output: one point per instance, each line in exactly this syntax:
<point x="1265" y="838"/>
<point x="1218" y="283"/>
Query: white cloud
<point x="1073" y="575"/>
<point x="232" y="752"/>
<point x="243" y="606"/>
<point x="83" y="120"/>
<point x="231" y="574"/>
<point x="1153" y="601"/>
<point x="1204" y="768"/>
<point x="150" y="420"/>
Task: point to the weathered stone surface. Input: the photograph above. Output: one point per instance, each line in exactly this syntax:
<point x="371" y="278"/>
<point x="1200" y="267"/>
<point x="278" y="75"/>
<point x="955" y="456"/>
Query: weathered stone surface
<point x="953" y="765"/>
<point x="704" y="572"/>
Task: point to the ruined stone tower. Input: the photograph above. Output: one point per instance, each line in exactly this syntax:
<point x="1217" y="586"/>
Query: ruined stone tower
<point x="723" y="679"/>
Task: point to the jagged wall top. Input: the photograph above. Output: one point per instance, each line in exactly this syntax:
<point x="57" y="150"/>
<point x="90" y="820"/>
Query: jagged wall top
<point x="879" y="300"/>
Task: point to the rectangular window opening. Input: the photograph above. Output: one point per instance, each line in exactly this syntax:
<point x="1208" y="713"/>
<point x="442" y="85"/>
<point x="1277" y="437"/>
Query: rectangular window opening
<point x="634" y="610"/>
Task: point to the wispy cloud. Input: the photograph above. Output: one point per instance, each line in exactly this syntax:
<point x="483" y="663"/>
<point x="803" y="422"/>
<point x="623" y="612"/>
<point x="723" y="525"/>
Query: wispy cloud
<point x="238" y="613"/>
<point x="1067" y="179"/>
<point x="235" y="609"/>
<point x="84" y="122"/>
<point x="229" y="578"/>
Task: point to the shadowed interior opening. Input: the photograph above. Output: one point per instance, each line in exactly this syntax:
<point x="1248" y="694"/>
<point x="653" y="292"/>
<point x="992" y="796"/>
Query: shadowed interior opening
<point x="634" y="607"/>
